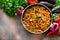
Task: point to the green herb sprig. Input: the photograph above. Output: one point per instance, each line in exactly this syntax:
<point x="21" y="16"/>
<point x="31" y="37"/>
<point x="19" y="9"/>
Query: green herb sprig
<point x="10" y="6"/>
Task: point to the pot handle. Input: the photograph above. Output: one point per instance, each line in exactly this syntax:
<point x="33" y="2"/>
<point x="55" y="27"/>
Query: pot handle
<point x="56" y="9"/>
<point x="51" y="6"/>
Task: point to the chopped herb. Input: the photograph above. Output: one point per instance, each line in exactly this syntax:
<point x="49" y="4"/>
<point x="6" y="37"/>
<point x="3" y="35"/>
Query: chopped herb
<point x="37" y="17"/>
<point x="33" y="28"/>
<point x="32" y="8"/>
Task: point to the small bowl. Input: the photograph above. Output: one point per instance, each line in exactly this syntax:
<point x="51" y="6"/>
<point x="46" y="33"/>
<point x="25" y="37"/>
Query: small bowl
<point x="36" y="5"/>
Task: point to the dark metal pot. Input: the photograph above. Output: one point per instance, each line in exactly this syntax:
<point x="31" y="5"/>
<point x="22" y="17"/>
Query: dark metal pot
<point x="40" y="4"/>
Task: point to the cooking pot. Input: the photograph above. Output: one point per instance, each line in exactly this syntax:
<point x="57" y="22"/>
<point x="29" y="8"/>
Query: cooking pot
<point x="44" y="4"/>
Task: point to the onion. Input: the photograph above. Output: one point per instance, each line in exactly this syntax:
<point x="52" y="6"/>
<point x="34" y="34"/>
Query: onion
<point x="54" y="27"/>
<point x="20" y="12"/>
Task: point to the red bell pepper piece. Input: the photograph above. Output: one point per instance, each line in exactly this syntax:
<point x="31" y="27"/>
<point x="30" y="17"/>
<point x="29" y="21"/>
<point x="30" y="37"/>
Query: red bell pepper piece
<point x="49" y="33"/>
<point x="58" y="33"/>
<point x="32" y="1"/>
<point x="54" y="35"/>
<point x="58" y="27"/>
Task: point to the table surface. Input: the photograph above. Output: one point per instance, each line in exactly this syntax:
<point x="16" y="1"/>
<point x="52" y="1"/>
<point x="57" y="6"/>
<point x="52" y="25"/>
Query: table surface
<point x="12" y="29"/>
